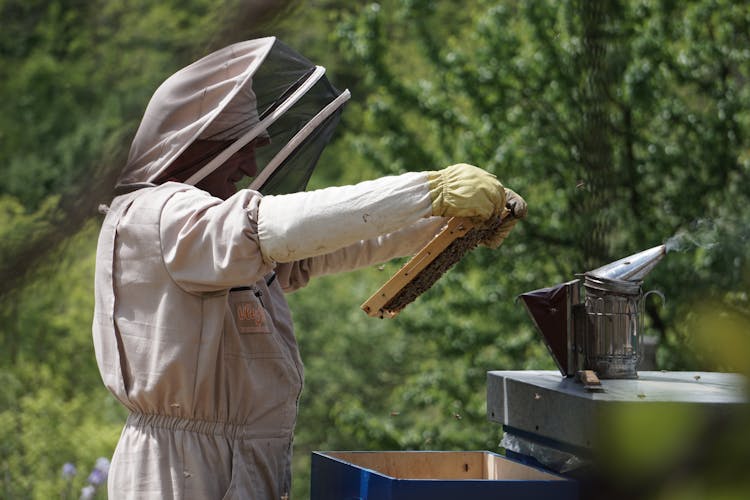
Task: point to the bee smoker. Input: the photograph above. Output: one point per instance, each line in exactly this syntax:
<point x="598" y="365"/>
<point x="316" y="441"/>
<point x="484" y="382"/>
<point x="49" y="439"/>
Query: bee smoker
<point x="595" y="322"/>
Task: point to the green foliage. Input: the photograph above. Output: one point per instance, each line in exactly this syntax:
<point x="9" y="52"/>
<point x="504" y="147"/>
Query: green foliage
<point x="53" y="407"/>
<point x="77" y="76"/>
<point x="18" y="226"/>
<point x="622" y="123"/>
<point x="80" y="74"/>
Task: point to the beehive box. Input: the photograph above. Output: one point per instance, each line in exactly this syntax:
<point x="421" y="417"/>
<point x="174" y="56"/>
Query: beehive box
<point x="434" y="475"/>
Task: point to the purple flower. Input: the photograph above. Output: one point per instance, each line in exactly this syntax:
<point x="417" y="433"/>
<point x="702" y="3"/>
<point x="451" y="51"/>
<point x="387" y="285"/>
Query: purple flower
<point x="68" y="471"/>
<point x="88" y="492"/>
<point x="99" y="473"/>
<point x="97" y="477"/>
<point x="102" y="464"/>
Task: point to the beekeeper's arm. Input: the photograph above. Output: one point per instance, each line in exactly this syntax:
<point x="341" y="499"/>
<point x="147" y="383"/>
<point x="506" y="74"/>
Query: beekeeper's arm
<point x="308" y="224"/>
<point x="210" y="245"/>
<point x="402" y="243"/>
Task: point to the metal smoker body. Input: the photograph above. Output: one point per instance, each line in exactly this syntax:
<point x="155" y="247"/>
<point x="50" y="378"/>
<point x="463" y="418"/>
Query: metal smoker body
<point x="602" y="331"/>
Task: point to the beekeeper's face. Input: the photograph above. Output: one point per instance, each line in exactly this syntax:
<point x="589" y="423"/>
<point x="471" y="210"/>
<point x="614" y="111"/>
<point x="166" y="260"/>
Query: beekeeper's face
<point x="222" y="181"/>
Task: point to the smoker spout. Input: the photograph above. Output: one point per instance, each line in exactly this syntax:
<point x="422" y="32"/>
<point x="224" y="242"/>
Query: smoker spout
<point x="632" y="268"/>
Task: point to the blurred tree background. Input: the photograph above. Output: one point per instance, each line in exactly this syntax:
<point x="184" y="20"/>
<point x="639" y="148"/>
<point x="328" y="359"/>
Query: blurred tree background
<point x="624" y="124"/>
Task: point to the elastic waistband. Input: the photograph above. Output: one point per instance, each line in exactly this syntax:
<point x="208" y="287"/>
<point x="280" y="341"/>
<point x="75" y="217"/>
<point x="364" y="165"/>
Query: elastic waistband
<point x="224" y="429"/>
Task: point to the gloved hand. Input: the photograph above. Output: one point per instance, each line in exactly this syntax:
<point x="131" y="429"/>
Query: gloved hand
<point x="464" y="190"/>
<point x="515" y="210"/>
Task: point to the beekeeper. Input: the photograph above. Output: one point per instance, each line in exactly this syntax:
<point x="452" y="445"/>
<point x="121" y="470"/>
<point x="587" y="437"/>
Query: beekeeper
<point x="191" y="330"/>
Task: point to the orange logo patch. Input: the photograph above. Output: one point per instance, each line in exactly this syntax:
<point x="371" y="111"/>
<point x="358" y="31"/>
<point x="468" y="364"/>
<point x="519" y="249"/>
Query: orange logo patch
<point x="251" y="318"/>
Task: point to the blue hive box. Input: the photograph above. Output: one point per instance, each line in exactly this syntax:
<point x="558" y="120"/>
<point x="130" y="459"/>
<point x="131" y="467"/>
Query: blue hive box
<point x="433" y="475"/>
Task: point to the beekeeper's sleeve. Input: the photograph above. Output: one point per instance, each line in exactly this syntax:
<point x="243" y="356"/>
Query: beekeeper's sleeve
<point x="210" y="245"/>
<point x="402" y="243"/>
<point x="301" y="225"/>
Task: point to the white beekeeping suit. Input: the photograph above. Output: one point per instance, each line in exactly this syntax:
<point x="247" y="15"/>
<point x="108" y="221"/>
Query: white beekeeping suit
<point x="191" y="328"/>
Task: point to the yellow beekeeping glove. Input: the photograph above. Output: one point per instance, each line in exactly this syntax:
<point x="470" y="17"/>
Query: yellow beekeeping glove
<point x="515" y="210"/>
<point x="465" y="191"/>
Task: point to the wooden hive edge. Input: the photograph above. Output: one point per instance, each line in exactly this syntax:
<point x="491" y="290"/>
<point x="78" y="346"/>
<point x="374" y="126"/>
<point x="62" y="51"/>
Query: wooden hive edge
<point x="454" y="229"/>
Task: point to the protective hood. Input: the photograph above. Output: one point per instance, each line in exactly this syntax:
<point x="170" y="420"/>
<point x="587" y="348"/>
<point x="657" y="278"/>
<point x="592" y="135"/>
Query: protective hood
<point x="257" y="90"/>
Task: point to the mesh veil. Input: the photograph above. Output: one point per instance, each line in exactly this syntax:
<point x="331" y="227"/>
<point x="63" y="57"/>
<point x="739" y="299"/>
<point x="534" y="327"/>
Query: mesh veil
<point x="290" y="148"/>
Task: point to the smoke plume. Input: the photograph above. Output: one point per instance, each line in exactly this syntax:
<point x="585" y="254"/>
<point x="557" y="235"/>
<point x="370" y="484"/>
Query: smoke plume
<point x="700" y="234"/>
